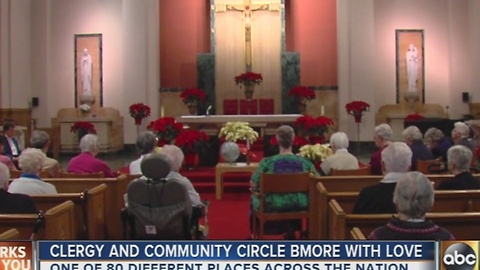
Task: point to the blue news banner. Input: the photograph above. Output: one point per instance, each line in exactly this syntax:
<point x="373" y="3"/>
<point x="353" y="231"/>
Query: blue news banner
<point x="223" y="255"/>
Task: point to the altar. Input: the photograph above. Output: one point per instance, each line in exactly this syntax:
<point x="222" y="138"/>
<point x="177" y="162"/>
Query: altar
<point x="266" y="122"/>
<point x="107" y="122"/>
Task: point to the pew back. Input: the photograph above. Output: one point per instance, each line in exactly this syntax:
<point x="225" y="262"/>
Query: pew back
<point x="462" y="225"/>
<point x="12" y="234"/>
<point x="114" y="202"/>
<point x="89" y="210"/>
<point x="58" y="223"/>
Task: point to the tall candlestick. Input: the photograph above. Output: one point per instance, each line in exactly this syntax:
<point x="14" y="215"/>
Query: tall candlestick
<point x="322" y="110"/>
<point x="162" y="111"/>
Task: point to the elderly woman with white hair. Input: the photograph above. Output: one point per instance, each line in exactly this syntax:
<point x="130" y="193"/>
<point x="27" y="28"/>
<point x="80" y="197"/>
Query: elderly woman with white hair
<point x="459" y="160"/>
<point x="41" y="140"/>
<point x="413" y="137"/>
<point x="413" y="198"/>
<point x="461" y="134"/>
<point x="438" y="143"/>
<point x="383" y="136"/>
<point x="146" y="143"/>
<point x="341" y="158"/>
<point x="176" y="156"/>
<point x="31" y="161"/>
<point x="377" y="199"/>
<point x="86" y="162"/>
<point x="13" y="203"/>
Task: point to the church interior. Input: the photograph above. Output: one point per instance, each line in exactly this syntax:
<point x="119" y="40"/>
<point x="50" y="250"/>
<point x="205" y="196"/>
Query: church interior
<point x="69" y="61"/>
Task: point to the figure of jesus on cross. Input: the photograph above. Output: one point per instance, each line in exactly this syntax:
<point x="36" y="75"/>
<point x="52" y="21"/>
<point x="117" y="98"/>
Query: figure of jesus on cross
<point x="248" y="8"/>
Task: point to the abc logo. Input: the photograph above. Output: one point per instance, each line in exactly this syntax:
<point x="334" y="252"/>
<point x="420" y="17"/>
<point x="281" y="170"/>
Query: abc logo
<point x="459" y="256"/>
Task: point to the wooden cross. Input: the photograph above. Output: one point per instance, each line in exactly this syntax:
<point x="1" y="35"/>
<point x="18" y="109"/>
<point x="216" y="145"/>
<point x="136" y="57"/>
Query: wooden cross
<point x="248" y="8"/>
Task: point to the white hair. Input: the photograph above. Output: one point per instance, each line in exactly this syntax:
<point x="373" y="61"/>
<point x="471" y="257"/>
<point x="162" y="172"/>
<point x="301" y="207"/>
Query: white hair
<point x="175" y="155"/>
<point x="384" y="131"/>
<point x="462" y="129"/>
<point x="4" y="176"/>
<point x="339" y="140"/>
<point x="412" y="133"/>
<point x="89" y="143"/>
<point x="397" y="157"/>
<point x="461" y="156"/>
<point x="433" y="135"/>
<point x="413" y="195"/>
<point x="31" y="160"/>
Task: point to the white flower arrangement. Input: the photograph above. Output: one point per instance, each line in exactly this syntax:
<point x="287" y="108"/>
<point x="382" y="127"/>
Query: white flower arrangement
<point x="233" y="131"/>
<point x="315" y="153"/>
<point x="84" y="108"/>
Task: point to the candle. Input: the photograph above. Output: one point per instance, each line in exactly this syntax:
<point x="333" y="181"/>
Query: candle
<point x="322" y="110"/>
<point x="162" y="111"/>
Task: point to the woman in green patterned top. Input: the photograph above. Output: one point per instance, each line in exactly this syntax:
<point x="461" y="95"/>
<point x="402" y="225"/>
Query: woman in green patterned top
<point x="284" y="162"/>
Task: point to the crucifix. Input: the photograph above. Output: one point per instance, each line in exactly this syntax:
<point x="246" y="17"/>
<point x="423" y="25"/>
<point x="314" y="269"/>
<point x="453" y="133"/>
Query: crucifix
<point x="248" y="8"/>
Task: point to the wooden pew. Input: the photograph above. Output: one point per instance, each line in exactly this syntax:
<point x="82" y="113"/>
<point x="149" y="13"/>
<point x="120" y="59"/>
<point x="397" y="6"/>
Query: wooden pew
<point x="58" y="223"/>
<point x="347" y="184"/>
<point x="462" y="225"/>
<point x="89" y="210"/>
<point x="12" y="234"/>
<point x="445" y="201"/>
<point x="356" y="234"/>
<point x="114" y="202"/>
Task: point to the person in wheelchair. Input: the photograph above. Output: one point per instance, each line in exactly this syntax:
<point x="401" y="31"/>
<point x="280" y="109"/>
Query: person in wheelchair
<point x="158" y="208"/>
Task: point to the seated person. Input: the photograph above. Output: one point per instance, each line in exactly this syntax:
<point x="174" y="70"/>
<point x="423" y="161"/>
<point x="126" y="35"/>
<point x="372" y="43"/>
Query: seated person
<point x="461" y="134"/>
<point x="413" y="138"/>
<point x="3" y="158"/>
<point x="377" y="199"/>
<point x="86" y="162"/>
<point x="31" y="162"/>
<point x="413" y="197"/>
<point x="175" y="156"/>
<point x="382" y="137"/>
<point x="146" y="143"/>
<point x="284" y="162"/>
<point x="13" y="203"/>
<point x="459" y="160"/>
<point x="438" y="143"/>
<point x="41" y="140"/>
<point x="10" y="146"/>
<point x="341" y="158"/>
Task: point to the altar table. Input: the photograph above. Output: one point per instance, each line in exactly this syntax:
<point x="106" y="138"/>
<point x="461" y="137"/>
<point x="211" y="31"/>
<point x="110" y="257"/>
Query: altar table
<point x="222" y="168"/>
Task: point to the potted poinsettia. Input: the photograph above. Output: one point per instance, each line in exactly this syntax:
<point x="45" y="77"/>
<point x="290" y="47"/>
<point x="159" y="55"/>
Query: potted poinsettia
<point x="191" y="142"/>
<point x="357" y="109"/>
<point x="166" y="129"/>
<point x="139" y="111"/>
<point x="193" y="97"/>
<point x="313" y="128"/>
<point x="248" y="80"/>
<point x="81" y="128"/>
<point x="300" y="95"/>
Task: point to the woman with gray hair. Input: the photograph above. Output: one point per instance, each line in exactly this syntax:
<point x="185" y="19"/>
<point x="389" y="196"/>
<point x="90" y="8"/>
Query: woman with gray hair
<point x="414" y="139"/>
<point x="377" y="199"/>
<point x="461" y="134"/>
<point x="86" y="162"/>
<point x="413" y="198"/>
<point x="146" y="143"/>
<point x="31" y="162"/>
<point x="341" y="158"/>
<point x="175" y="156"/>
<point x="41" y="140"/>
<point x="459" y="161"/>
<point x="383" y="136"/>
<point x="438" y="143"/>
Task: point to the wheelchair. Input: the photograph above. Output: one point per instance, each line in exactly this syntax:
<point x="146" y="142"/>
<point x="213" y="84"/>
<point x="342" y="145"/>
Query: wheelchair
<point x="161" y="210"/>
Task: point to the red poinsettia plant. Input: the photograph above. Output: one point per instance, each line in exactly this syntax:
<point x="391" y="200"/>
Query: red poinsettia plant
<point x="192" y="141"/>
<point x="301" y="93"/>
<point x="413" y="117"/>
<point x="193" y="95"/>
<point x="166" y="129"/>
<point x="249" y="78"/>
<point x="139" y="111"/>
<point x="83" y="127"/>
<point x="357" y="109"/>
<point x="314" y="128"/>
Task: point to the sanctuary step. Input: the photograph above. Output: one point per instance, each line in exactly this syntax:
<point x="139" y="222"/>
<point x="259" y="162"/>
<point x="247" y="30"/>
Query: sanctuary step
<point x="203" y="179"/>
